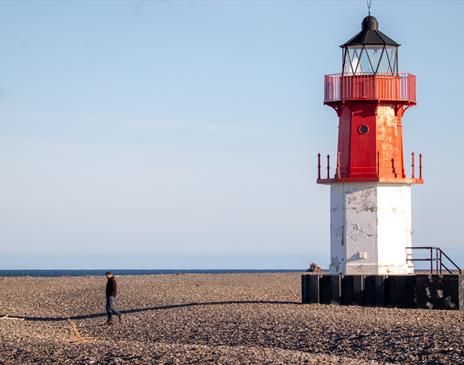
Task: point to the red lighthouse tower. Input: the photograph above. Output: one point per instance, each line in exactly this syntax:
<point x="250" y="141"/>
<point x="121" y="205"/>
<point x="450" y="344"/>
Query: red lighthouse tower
<point x="370" y="191"/>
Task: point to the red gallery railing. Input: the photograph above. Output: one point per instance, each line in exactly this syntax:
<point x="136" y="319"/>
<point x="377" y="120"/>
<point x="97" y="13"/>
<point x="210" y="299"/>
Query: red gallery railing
<point x="337" y="174"/>
<point x="401" y="87"/>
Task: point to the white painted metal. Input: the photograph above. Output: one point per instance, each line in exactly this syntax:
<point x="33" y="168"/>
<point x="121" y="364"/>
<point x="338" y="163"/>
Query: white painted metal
<point x="370" y="228"/>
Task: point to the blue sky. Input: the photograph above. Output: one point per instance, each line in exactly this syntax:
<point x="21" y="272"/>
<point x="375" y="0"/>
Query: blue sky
<point x="183" y="134"/>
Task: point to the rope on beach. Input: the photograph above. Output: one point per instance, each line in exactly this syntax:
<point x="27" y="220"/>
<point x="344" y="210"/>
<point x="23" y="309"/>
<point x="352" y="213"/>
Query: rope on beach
<point x="12" y="318"/>
<point x="77" y="335"/>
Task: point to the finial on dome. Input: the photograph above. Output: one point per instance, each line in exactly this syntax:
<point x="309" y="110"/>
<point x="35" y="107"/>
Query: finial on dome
<point x="370" y="23"/>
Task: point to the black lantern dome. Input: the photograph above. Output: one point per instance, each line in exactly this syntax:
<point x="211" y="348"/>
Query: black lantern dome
<point x="370" y="52"/>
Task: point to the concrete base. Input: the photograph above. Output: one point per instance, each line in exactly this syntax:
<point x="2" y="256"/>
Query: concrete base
<point x="400" y="291"/>
<point x="370" y="229"/>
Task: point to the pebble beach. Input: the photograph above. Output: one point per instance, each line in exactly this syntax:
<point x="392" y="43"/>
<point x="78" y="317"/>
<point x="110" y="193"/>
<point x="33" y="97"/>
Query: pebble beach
<point x="217" y="319"/>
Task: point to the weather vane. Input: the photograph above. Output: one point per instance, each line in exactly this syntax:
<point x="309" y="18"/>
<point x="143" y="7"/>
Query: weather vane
<point x="369" y="2"/>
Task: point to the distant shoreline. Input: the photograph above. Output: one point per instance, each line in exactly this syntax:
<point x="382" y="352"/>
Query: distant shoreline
<point x="93" y="272"/>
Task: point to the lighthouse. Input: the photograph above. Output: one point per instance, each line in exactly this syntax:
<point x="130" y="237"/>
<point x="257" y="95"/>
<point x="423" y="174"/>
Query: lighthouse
<point x="370" y="187"/>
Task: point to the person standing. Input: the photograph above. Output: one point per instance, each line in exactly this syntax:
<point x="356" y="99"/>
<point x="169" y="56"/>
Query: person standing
<point x="111" y="292"/>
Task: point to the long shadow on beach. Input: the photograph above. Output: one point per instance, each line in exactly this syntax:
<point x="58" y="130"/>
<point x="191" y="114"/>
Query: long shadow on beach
<point x="138" y="310"/>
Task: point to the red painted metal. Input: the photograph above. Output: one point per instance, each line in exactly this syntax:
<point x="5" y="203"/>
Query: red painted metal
<point x="401" y="87"/>
<point x="370" y="110"/>
<point x="328" y="166"/>
<point x="420" y="166"/>
<point x="412" y="165"/>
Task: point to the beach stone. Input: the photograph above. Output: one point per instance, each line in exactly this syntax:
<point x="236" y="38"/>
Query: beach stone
<point x="226" y="319"/>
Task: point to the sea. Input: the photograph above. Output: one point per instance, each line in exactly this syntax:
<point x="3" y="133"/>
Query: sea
<point x="96" y="272"/>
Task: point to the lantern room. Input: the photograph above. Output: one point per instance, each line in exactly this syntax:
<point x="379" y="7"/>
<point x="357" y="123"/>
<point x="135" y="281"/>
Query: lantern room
<point x="370" y="52"/>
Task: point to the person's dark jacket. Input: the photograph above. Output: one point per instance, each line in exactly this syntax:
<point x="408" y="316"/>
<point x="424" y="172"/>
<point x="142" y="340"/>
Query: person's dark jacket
<point x="111" y="287"/>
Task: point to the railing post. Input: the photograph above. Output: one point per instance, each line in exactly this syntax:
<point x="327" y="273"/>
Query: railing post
<point x="412" y="165"/>
<point x="436" y="258"/>
<point x="431" y="260"/>
<point x="441" y="268"/>
<point x="318" y="166"/>
<point x="328" y="166"/>
<point x="420" y="166"/>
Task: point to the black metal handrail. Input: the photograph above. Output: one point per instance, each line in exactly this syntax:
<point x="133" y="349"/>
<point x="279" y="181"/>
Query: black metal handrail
<point x="436" y="256"/>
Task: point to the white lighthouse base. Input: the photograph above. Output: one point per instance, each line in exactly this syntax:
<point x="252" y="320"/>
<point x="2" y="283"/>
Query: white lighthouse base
<point x="370" y="228"/>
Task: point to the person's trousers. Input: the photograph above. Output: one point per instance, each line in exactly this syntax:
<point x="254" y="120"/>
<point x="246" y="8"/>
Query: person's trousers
<point x="109" y="307"/>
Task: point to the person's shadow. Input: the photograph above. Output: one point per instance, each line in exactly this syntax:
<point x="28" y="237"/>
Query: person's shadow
<point x="145" y="309"/>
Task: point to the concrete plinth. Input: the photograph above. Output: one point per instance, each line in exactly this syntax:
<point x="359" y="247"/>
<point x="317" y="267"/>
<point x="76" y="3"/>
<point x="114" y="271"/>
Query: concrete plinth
<point x="370" y="228"/>
<point x="400" y="291"/>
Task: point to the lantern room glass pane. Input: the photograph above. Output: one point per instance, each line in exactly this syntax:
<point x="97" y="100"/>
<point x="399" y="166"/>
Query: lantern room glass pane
<point x="364" y="64"/>
<point x="392" y="57"/>
<point x="384" y="66"/>
<point x="348" y="68"/>
<point x="374" y="53"/>
<point x="352" y="60"/>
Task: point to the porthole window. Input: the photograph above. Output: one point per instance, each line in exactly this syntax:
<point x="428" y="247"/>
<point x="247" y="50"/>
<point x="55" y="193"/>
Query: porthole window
<point x="363" y="129"/>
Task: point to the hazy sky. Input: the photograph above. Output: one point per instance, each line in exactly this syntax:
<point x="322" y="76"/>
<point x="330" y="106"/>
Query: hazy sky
<point x="184" y="134"/>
